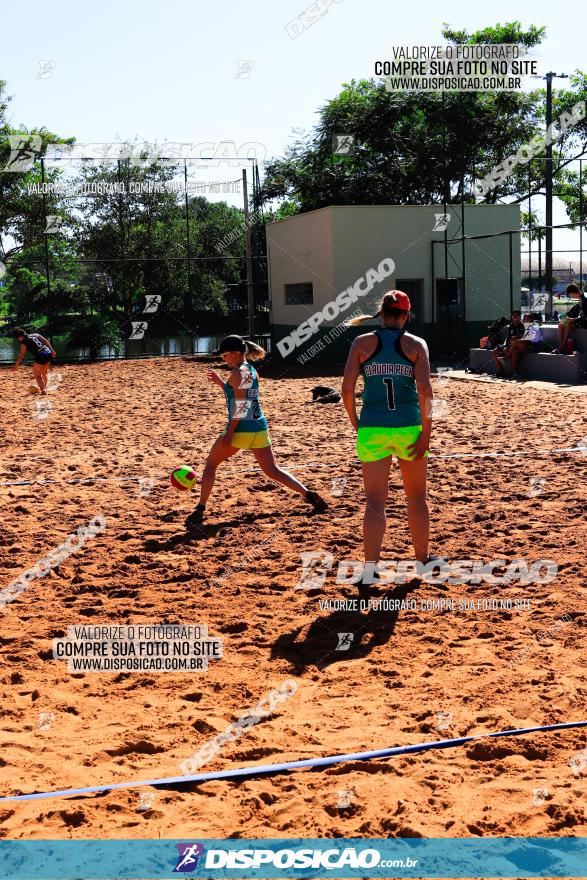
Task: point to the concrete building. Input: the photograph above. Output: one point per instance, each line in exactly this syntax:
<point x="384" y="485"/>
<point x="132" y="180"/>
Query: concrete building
<point x="455" y="291"/>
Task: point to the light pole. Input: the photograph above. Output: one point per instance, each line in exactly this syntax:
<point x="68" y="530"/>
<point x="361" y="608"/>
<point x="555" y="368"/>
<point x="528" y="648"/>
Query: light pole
<point x="548" y="183"/>
<point x="249" y="260"/>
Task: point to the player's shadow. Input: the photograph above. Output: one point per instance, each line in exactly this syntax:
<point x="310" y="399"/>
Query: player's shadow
<point x="341" y="635"/>
<point x="191" y="533"/>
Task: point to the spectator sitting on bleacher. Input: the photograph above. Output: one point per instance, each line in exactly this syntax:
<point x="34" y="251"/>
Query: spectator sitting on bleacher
<point x="575" y="317"/>
<point x="530" y="341"/>
<point x="532" y="334"/>
<point x="515" y="332"/>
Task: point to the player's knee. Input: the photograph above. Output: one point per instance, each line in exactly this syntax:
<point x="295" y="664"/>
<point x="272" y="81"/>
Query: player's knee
<point x="416" y="496"/>
<point x="376" y="503"/>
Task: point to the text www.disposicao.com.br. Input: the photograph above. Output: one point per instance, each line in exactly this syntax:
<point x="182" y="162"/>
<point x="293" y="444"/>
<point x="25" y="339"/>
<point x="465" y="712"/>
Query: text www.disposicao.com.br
<point x="135" y="664"/>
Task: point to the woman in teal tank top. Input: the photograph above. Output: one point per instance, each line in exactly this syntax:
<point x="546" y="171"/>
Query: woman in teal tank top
<point x="395" y="419"/>
<point x="390" y="395"/>
<point x="247" y="425"/>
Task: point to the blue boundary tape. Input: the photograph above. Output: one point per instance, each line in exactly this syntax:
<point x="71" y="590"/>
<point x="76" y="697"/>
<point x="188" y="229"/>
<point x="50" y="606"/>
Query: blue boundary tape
<point x="263" y="769"/>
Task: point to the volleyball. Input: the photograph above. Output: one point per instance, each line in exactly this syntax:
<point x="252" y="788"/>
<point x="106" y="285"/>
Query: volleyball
<point x="183" y="477"/>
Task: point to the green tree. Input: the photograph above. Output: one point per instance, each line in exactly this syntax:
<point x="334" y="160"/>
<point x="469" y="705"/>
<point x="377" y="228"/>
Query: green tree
<point x="113" y="248"/>
<point x="418" y="147"/>
<point x="22" y="217"/>
<point x="26" y="294"/>
<point x="138" y="240"/>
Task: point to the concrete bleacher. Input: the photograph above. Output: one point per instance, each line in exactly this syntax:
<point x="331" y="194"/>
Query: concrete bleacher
<point x="568" y="368"/>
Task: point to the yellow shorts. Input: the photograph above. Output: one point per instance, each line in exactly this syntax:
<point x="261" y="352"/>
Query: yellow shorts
<point x="251" y="439"/>
<point x="374" y="444"/>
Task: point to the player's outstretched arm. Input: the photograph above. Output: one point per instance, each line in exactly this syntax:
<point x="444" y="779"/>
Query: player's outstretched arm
<point x="19" y="359"/>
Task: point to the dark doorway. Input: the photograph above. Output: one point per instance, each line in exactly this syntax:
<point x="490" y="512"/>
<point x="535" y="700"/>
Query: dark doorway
<point x="414" y="287"/>
<point x="449" y="316"/>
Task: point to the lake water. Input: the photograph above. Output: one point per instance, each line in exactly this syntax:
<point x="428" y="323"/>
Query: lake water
<point x="154" y="346"/>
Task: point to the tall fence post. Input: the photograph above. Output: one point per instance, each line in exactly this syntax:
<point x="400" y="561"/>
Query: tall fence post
<point x="249" y="260"/>
<point x="530" y="296"/>
<point x="581" y="223"/>
<point x="511" y="274"/>
<point x="463" y="332"/>
<point x="187" y="226"/>
<point x="122" y="257"/>
<point x="50" y="315"/>
<point x="433" y="276"/>
<point x="539" y="260"/>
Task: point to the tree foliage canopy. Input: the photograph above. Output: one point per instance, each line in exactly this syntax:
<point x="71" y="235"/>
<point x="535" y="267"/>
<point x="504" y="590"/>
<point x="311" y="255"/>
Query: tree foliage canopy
<point x="109" y="250"/>
<point x="425" y="147"/>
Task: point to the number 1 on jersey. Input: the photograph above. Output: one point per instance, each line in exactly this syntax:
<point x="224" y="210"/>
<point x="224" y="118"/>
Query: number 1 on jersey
<point x="390" y="398"/>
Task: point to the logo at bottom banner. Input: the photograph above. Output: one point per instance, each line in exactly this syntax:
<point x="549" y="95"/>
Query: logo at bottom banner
<point x="191" y="855"/>
<point x="288" y="858"/>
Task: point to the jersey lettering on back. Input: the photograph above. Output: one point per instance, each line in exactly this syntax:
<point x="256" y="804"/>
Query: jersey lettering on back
<point x="33" y="343"/>
<point x="390" y="395"/>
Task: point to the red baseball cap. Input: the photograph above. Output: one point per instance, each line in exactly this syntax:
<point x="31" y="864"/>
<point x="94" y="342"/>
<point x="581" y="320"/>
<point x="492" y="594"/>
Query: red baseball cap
<point x="396" y="299"/>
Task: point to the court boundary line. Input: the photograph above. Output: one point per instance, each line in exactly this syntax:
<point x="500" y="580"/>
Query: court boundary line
<point x="449" y="455"/>
<point x="268" y="769"/>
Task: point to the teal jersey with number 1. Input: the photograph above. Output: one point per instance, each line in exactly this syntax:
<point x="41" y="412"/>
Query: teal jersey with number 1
<point x="390" y="394"/>
<point x="247" y="410"/>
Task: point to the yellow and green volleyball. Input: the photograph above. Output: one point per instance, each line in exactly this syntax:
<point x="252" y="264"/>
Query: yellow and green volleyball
<point x="183" y="477"/>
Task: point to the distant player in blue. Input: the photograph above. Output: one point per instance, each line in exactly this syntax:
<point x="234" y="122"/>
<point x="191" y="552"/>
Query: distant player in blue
<point x="247" y="425"/>
<point x="42" y="351"/>
<point x="395" y="419"/>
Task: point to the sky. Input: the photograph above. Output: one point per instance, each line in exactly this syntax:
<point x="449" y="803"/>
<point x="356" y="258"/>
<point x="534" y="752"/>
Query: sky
<point x="171" y="70"/>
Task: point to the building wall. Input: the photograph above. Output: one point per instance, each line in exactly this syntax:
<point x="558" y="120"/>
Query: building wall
<point x="299" y="252"/>
<point x="333" y="247"/>
<point x="364" y="235"/>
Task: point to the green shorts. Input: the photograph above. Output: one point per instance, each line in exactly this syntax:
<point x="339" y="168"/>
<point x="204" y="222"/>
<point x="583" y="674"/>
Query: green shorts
<point x="374" y="444"/>
<point x="250" y="439"/>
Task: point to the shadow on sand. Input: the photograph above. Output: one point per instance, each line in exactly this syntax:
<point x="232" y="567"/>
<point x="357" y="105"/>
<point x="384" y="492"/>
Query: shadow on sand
<point x="342" y="635"/>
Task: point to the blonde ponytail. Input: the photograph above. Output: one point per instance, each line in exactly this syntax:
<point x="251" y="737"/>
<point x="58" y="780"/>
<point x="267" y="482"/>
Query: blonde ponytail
<point x="386" y="308"/>
<point x="254" y="352"/>
<point x="360" y="319"/>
